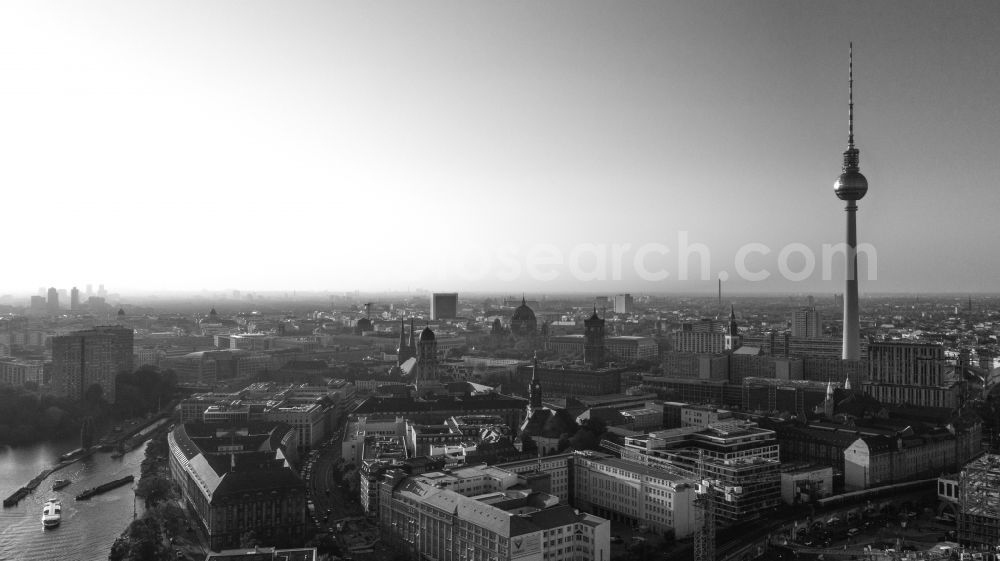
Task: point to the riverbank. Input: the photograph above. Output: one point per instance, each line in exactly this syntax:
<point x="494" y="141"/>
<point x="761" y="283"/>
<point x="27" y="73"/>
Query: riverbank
<point x="88" y="528"/>
<point x="129" y="440"/>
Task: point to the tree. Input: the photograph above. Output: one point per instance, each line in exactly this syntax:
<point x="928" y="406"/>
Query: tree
<point x="155" y="490"/>
<point x="170" y="517"/>
<point x="145" y="542"/>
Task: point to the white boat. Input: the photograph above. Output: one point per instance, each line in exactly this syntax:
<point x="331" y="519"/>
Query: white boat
<point x="51" y="513"/>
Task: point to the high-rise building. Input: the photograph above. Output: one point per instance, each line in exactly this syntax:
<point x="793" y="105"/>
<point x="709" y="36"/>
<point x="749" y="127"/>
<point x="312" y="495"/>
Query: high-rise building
<point x="93" y="357"/>
<point x="851" y="186"/>
<point x="90" y="290"/>
<point x="444" y="305"/>
<point x="38" y="304"/>
<point x="624" y="304"/>
<point x="807" y="323"/>
<point x="74" y="299"/>
<point x="52" y="304"/>
<point x="910" y="373"/>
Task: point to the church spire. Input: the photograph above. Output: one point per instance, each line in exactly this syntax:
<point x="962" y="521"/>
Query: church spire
<point x="535" y="390"/>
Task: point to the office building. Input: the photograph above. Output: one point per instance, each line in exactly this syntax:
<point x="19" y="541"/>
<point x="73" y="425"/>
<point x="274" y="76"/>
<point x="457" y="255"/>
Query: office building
<point x="910" y="373"/>
<point x="561" y="381"/>
<point x="52" y="303"/>
<point x="211" y="367"/>
<point x="309" y="410"/>
<point x="74" y="299"/>
<point x="635" y="494"/>
<point x="444" y="305"/>
<point x="690" y="341"/>
<point x="875" y="460"/>
<point x="17" y="372"/>
<point x="486" y="514"/>
<point x="739" y="456"/>
<point x="84" y="359"/>
<point x="624" y="304"/>
<point x="238" y="479"/>
<point x="628" y="348"/>
<point x="558" y="467"/>
<point x="806" y="323"/>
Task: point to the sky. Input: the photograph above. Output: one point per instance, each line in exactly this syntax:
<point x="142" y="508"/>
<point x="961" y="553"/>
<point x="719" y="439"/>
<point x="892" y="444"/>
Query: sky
<point x="509" y="146"/>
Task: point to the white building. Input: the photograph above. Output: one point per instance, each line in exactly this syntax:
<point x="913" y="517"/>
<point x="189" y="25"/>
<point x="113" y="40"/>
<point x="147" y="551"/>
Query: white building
<point x="633" y="493"/>
<point x="486" y="514"/>
<point x="16" y="372"/>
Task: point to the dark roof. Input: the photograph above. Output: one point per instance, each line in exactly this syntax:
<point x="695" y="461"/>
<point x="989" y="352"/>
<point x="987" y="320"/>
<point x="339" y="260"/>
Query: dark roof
<point x="549" y="423"/>
<point x="523" y="313"/>
<point x="427" y="334"/>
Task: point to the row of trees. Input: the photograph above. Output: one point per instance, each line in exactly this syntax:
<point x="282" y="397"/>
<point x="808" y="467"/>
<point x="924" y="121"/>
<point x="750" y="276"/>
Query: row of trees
<point x="144" y="391"/>
<point x="162" y="521"/>
<point x="28" y="416"/>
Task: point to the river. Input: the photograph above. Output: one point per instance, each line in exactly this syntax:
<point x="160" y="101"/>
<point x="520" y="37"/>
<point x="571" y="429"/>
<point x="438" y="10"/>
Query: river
<point x="88" y="527"/>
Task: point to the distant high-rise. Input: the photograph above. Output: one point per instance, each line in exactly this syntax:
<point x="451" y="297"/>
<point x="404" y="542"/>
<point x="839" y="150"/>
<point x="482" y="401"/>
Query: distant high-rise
<point x="52" y="304"/>
<point x="38" y="304"/>
<point x="90" y="290"/>
<point x="93" y="357"/>
<point x="851" y="186"/>
<point x="807" y="323"/>
<point x="444" y="305"/>
<point x="624" y="304"/>
<point x="101" y="292"/>
<point x="593" y="345"/>
<point x="74" y="299"/>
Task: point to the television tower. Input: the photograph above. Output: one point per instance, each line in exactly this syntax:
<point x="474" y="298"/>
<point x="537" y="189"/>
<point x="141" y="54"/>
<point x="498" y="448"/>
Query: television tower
<point x="851" y="186"/>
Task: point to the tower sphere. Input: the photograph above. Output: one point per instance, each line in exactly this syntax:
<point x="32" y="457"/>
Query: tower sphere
<point x="850" y="186"/>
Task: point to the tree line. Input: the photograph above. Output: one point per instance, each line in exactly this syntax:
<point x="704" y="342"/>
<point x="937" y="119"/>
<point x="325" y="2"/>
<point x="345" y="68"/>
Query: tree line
<point x="28" y="416"/>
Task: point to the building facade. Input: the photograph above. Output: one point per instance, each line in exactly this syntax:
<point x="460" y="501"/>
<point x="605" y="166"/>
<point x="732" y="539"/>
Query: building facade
<point x="633" y="493"/>
<point x="486" y="514"/>
<point x="84" y="359"/>
<point x="239" y="479"/>
<point x="444" y="305"/>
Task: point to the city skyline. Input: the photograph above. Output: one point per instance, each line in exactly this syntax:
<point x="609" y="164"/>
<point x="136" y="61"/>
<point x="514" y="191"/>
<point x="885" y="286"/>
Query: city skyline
<point x="361" y="144"/>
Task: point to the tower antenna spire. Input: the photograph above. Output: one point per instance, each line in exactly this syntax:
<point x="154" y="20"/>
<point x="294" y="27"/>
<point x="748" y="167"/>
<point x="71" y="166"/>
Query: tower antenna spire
<point x="850" y="98"/>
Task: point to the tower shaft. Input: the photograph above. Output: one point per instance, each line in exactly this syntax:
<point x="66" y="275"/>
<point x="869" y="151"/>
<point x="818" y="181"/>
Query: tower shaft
<point x="852" y="320"/>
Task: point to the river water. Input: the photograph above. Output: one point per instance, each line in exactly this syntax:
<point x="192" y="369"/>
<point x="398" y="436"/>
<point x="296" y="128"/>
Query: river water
<point x="88" y="527"/>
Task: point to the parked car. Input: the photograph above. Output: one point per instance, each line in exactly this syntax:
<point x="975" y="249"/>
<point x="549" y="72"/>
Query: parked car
<point x="853" y="532"/>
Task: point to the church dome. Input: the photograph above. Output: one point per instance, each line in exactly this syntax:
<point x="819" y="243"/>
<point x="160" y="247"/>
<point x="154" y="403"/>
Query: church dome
<point x="523" y="313"/>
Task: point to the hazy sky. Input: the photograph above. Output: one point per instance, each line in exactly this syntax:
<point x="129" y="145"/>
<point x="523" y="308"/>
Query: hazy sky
<point x="492" y="145"/>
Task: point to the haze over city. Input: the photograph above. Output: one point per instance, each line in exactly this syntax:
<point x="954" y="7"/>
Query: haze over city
<point x="391" y="146"/>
